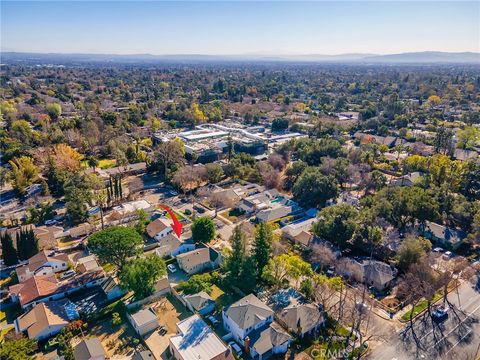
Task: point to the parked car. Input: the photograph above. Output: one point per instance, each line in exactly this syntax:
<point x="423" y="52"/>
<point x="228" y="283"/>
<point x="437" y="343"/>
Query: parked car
<point x="173" y="193"/>
<point x="447" y="255"/>
<point x="67" y="274"/>
<point x="213" y="320"/>
<point x="172" y="268"/>
<point x="440" y="313"/>
<point x="50" y="222"/>
<point x="438" y="249"/>
<point x="235" y="348"/>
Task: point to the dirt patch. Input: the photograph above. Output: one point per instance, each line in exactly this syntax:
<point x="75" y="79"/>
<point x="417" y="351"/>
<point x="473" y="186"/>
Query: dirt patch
<point x="169" y="312"/>
<point x="116" y="340"/>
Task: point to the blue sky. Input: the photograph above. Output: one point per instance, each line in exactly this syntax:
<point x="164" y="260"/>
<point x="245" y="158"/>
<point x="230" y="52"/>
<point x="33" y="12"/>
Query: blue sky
<point x="234" y="27"/>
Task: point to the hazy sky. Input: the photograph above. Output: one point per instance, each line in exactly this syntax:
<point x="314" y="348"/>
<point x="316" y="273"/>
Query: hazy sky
<point x="239" y="27"/>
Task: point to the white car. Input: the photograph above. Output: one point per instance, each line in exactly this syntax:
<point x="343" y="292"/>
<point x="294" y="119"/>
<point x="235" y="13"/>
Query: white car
<point x="67" y="274"/>
<point x="440" y="313"/>
<point x="50" y="222"/>
<point x="172" y="268"/>
<point x="438" y="249"/>
<point x="447" y="255"/>
<point x="235" y="347"/>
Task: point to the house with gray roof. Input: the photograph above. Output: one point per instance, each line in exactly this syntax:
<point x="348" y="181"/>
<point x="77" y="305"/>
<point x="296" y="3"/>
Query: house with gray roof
<point x="373" y="273"/>
<point x="90" y="349"/>
<point x="295" y="313"/>
<point x="200" y="302"/>
<point x="144" y="321"/>
<point x="250" y="322"/>
<point x="449" y="237"/>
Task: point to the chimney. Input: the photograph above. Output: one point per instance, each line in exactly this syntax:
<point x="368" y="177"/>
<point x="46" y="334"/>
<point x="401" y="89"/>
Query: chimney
<point x="246" y="345"/>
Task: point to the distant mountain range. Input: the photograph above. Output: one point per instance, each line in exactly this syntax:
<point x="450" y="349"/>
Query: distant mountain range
<point x="426" y="57"/>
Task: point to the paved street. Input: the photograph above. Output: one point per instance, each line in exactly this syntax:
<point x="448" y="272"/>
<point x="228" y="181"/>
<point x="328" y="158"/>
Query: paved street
<point x="457" y="338"/>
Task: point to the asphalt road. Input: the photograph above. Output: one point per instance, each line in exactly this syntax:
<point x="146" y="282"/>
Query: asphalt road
<point x="458" y="337"/>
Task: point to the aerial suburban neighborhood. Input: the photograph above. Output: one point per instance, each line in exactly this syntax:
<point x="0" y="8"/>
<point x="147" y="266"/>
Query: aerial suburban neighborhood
<point x="204" y="207"/>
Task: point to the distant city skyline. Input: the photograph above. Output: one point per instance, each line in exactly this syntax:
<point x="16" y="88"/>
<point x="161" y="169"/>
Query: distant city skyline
<point x="237" y="28"/>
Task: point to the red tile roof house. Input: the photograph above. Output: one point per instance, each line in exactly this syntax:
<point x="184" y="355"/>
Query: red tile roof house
<point x="42" y="264"/>
<point x="38" y="289"/>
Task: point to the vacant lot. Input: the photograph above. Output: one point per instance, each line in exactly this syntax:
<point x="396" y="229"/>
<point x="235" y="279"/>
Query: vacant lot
<point x="169" y="311"/>
<point x="116" y="340"/>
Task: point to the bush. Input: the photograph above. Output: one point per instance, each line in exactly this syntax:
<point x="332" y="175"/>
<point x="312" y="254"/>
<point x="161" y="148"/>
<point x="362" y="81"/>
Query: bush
<point x="116" y="319"/>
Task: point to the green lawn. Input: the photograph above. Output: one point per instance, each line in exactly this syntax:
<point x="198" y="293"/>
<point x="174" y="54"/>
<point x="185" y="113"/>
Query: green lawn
<point x="223" y="298"/>
<point x="421" y="306"/>
<point x="180" y="217"/>
<point x="108" y="267"/>
<point x="102" y="164"/>
<point x="231" y="214"/>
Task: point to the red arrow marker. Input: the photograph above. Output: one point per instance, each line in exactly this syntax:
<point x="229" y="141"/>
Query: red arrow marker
<point x="177" y="225"/>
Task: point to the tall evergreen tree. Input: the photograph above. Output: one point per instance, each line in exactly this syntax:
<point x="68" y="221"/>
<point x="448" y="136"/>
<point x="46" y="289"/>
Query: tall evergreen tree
<point x="27" y="244"/>
<point x="234" y="262"/>
<point x="262" y="247"/>
<point x="9" y="254"/>
<point x="248" y="275"/>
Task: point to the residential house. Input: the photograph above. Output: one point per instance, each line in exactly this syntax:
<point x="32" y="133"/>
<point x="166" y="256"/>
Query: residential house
<point x="250" y="321"/>
<point x="196" y="340"/>
<point x="87" y="263"/>
<point x="144" y="321"/>
<point x="200" y="302"/>
<point x="128" y="211"/>
<point x="373" y="273"/>
<point x="295" y="313"/>
<point x="43" y="288"/>
<point x="449" y="237"/>
<point x="112" y="289"/>
<point x="407" y="180"/>
<point x="269" y="340"/>
<point x="200" y="259"/>
<point x="159" y="228"/>
<point x="89" y="349"/>
<point x="275" y="212"/>
<point x="172" y="245"/>
<point x="81" y="230"/>
<point x="245" y="315"/>
<point x="46" y="319"/>
<point x="299" y="231"/>
<point x="464" y="155"/>
<point x="43" y="263"/>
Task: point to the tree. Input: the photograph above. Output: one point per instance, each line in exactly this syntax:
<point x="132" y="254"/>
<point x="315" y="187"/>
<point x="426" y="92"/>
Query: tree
<point x="284" y="267"/>
<point x="9" y="253"/>
<point x="170" y="155"/>
<point x="27" y="244"/>
<point x="76" y="204"/>
<point x="214" y="173"/>
<point x="116" y="319"/>
<point x="115" y="244"/>
<point x="279" y="124"/>
<point x="23" y="173"/>
<point x="199" y="282"/>
<point x="217" y="199"/>
<point x="142" y="221"/>
<point x="248" y="275"/>
<point x="40" y="215"/>
<point x="312" y="189"/>
<point x="337" y="224"/>
<point x="292" y="174"/>
<point x="54" y="110"/>
<point x="234" y="261"/>
<point x="18" y="349"/>
<point x="468" y="137"/>
<point x="443" y="142"/>
<point x="203" y="230"/>
<point x="140" y="275"/>
<point x="412" y="251"/>
<point x="262" y="247"/>
<point x="469" y="184"/>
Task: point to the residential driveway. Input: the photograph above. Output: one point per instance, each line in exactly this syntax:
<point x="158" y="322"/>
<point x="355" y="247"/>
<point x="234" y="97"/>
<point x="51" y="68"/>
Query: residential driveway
<point x="177" y="276"/>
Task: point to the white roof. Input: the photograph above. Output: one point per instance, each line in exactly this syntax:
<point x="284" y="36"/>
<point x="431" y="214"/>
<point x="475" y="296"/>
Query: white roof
<point x="196" y="340"/>
<point x="132" y="206"/>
